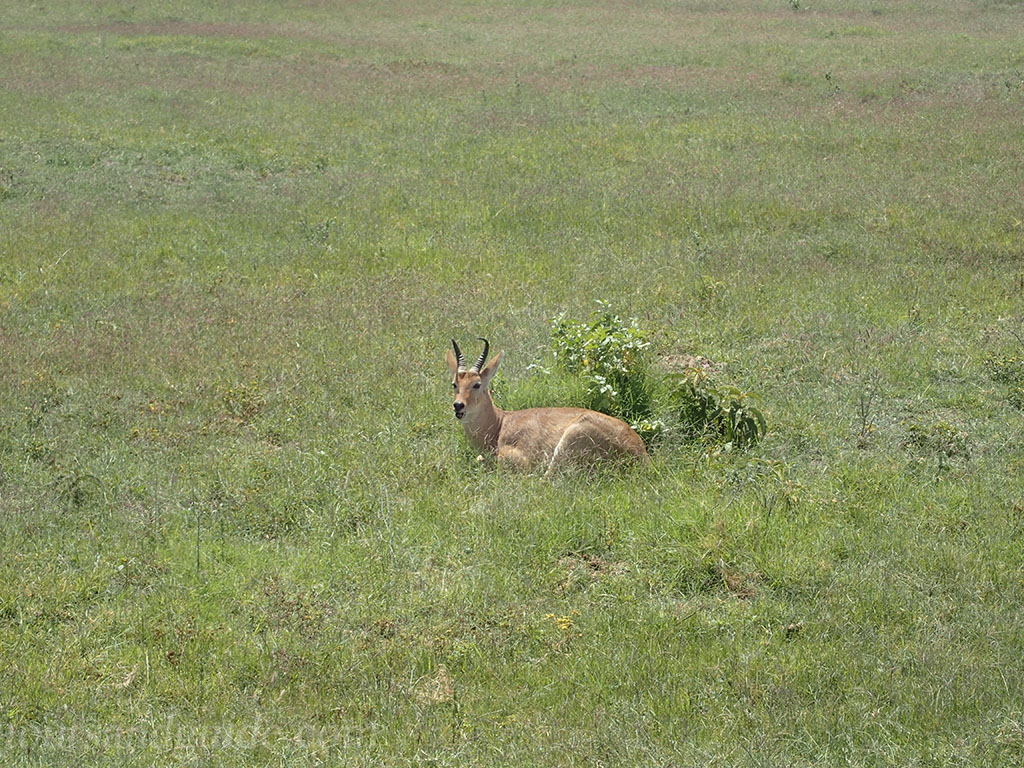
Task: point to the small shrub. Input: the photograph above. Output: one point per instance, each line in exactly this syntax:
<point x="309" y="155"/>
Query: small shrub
<point x="610" y="355"/>
<point x="695" y="401"/>
<point x="705" y="410"/>
<point x="612" y="358"/>
<point x="743" y="423"/>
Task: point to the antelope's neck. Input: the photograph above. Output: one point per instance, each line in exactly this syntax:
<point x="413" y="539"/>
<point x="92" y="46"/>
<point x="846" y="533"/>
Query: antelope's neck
<point x="483" y="430"/>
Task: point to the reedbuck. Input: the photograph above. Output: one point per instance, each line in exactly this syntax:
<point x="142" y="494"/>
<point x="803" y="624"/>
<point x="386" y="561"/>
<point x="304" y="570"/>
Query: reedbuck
<point x="550" y="437"/>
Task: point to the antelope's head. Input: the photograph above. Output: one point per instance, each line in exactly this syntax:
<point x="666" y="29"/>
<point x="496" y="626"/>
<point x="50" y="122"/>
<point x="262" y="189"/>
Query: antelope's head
<point x="470" y="386"/>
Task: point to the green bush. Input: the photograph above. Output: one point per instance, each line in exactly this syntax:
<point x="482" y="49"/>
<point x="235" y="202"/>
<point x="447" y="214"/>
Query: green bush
<point x="707" y="411"/>
<point x="612" y="356"/>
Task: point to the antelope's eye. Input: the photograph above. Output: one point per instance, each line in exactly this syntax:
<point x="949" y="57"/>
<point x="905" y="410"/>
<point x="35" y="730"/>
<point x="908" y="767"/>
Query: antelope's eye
<point x="477" y="385"/>
<point x="454" y="385"/>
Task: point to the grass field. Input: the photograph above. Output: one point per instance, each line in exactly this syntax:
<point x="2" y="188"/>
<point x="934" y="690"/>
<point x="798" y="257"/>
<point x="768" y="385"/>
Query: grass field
<point x="238" y="525"/>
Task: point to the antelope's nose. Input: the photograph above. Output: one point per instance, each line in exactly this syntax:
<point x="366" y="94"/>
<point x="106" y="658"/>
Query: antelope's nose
<point x="458" y="406"/>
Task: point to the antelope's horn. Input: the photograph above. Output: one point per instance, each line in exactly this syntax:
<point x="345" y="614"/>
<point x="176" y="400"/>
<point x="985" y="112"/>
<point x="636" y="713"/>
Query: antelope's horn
<point x="483" y="358"/>
<point x="458" y="356"/>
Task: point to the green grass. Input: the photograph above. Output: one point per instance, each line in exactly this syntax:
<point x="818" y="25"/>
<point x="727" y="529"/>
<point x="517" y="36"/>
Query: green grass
<point x="237" y="523"/>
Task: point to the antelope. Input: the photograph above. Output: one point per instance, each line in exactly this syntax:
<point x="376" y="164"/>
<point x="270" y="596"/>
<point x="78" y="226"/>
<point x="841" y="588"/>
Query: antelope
<point x="529" y="438"/>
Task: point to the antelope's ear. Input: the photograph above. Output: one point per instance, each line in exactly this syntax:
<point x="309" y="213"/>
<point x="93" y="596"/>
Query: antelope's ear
<point x="453" y="363"/>
<point x="488" y="371"/>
